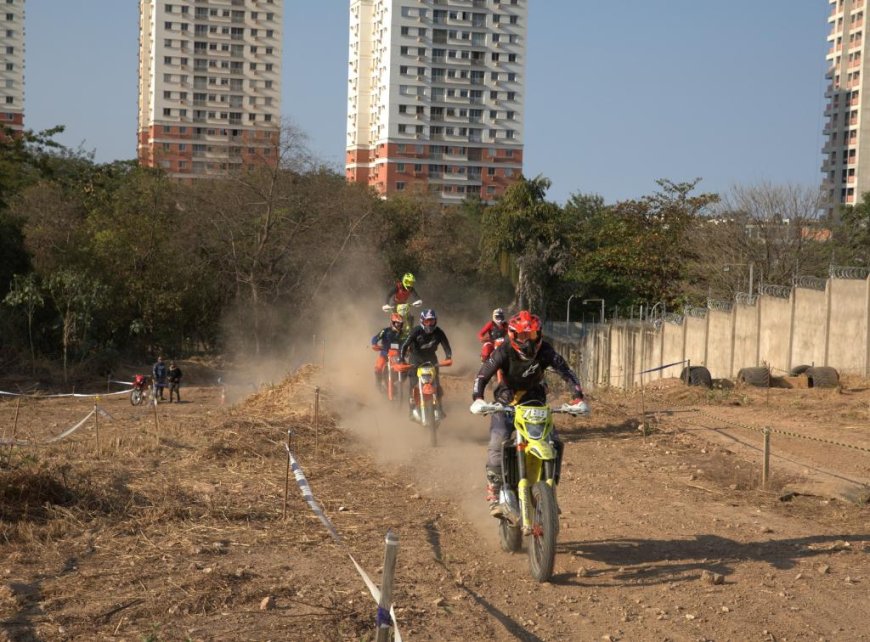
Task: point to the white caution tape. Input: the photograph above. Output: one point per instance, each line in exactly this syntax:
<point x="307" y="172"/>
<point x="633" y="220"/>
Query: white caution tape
<point x="63" y="435"/>
<point x="317" y="510"/>
<point x="69" y="394"/>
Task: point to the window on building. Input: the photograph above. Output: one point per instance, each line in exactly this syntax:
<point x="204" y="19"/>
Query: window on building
<point x="400" y="186"/>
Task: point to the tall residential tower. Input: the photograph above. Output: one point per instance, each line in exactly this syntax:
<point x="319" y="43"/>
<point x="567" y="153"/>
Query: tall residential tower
<point x="12" y="64"/>
<point x="209" y="85"/>
<point x="847" y="176"/>
<point x="435" y="96"/>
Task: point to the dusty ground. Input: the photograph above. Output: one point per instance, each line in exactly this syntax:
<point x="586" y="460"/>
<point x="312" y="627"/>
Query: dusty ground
<point x="174" y="531"/>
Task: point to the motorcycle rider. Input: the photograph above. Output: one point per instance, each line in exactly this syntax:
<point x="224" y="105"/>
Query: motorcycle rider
<point x="422" y="344"/>
<point x="522" y="358"/>
<point x="403" y="292"/>
<point x="383" y="341"/>
<point x="491" y="332"/>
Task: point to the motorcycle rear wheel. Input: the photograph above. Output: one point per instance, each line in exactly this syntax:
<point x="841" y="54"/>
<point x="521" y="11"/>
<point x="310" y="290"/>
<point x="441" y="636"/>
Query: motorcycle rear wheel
<point x="542" y="541"/>
<point x="509" y="537"/>
<point x="136" y="397"/>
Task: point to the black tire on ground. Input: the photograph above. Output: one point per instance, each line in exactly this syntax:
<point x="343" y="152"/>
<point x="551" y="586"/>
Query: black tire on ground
<point x="542" y="547"/>
<point x="509" y="537"/>
<point x="797" y="371"/>
<point x="822" y="377"/>
<point x="758" y="377"/>
<point x="697" y="376"/>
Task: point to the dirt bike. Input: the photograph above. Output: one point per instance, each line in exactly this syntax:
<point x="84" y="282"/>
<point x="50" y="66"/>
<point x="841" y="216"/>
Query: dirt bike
<point x="140" y="391"/>
<point x="531" y="463"/>
<point x="426" y="396"/>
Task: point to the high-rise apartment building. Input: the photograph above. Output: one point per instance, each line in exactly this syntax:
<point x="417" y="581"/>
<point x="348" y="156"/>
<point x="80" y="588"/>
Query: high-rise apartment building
<point x="209" y="85"/>
<point x="847" y="132"/>
<point x="12" y="64"/>
<point x="435" y="96"/>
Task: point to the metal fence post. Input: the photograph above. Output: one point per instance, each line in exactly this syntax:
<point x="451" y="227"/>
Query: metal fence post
<point x="287" y="475"/>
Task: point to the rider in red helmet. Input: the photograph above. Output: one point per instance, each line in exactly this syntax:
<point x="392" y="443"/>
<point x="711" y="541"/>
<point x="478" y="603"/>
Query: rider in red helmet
<point x="522" y="360"/>
<point x="390" y="338"/>
<point x="490" y="333"/>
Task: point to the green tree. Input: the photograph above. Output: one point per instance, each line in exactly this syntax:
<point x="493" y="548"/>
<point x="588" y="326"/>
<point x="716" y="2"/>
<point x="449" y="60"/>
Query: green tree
<point x="528" y="237"/>
<point x="26" y="293"/>
<point x="76" y="296"/>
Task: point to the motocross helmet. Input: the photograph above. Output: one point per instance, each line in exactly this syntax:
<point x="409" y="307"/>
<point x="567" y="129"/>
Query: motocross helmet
<point x="524" y="333"/>
<point x="498" y="316"/>
<point x="397" y="321"/>
<point x="408" y="281"/>
<point x="428" y="319"/>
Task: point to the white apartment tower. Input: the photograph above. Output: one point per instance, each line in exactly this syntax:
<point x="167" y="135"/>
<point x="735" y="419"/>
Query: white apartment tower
<point x="435" y="96"/>
<point x="846" y="164"/>
<point x="12" y="64"/>
<point x="209" y="85"/>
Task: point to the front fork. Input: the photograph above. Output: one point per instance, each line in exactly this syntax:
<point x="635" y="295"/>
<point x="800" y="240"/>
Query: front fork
<point x="524" y="489"/>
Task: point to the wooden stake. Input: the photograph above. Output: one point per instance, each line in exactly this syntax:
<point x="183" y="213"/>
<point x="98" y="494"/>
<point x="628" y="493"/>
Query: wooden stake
<point x="316" y="421"/>
<point x="97" y="425"/>
<point x="765" y="468"/>
<point x="14" y="429"/>
<point x="156" y="421"/>
<point x="384" y="622"/>
<point x="287" y="477"/>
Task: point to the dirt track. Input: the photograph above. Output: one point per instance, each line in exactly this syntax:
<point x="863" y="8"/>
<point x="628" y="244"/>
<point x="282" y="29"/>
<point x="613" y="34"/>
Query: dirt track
<point x="663" y="537"/>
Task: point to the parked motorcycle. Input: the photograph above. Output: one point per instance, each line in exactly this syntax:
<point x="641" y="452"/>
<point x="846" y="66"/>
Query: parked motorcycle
<point x="139" y="393"/>
<point x="531" y="463"/>
<point x="426" y="396"/>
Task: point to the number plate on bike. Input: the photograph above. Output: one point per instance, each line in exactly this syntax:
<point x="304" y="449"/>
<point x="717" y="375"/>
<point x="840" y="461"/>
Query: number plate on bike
<point x="535" y="415"/>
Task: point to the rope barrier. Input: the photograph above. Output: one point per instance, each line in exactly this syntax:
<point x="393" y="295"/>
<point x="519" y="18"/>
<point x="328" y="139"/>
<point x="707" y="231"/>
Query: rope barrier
<point x="66" y="433"/>
<point x="77" y="395"/>
<point x="308" y="496"/>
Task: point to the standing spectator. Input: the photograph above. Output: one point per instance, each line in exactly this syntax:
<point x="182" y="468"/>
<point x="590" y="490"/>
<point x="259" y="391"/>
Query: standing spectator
<point x="159" y="374"/>
<point x="174" y="375"/>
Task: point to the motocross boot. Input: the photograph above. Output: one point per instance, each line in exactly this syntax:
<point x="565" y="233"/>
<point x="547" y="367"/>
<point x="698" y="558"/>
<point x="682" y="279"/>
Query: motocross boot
<point x="493" y="489"/>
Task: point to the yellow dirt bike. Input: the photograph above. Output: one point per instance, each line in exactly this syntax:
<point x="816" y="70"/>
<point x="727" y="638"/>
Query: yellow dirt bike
<point x="531" y="463"/>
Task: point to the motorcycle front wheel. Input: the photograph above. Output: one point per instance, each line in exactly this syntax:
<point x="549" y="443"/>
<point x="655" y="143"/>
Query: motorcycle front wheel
<point x="509" y="537"/>
<point x="136" y="397"/>
<point x="545" y="524"/>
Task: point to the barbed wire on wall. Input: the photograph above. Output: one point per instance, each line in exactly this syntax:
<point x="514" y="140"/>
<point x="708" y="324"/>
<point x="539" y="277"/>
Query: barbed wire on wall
<point x="671" y="317"/>
<point x="848" y="272"/>
<point x="721" y="306"/>
<point x="779" y="291"/>
<point x="811" y="283"/>
<point x="692" y="311"/>
<point x="745" y="298"/>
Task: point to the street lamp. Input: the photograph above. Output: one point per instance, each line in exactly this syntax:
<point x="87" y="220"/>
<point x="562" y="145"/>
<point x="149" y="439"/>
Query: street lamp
<point x="595" y="301"/>
<point x="727" y="268"/>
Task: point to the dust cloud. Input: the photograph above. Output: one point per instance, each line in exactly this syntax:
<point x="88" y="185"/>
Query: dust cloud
<point x="343" y="319"/>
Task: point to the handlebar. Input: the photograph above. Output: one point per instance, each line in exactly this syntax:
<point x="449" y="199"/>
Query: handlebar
<point x="567" y="409"/>
<point x="404" y="367"/>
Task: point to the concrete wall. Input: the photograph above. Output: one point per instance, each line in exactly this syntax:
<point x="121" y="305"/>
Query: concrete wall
<point x="672" y="348"/>
<point x="829" y="328"/>
<point x="809" y="327"/>
<point x="850" y="300"/>
<point x="745" y="338"/>
<point x="719" y="342"/>
<point x="774" y="328"/>
<point x="696" y="340"/>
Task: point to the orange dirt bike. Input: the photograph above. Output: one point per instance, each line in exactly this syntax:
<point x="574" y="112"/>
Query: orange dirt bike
<point x="426" y="395"/>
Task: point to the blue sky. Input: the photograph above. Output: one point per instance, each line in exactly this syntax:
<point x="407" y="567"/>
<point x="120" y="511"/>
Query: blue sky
<point x="618" y="94"/>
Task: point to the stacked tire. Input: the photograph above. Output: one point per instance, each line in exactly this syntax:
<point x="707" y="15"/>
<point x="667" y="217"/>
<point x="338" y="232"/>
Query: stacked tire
<point x="696" y="376"/>
<point x="757" y="377"/>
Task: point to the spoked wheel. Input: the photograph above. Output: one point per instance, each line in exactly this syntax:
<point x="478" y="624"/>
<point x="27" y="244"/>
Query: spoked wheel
<point x="136" y="397"/>
<point x="427" y="416"/>
<point x="542" y="541"/>
<point x="509" y="537"/>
